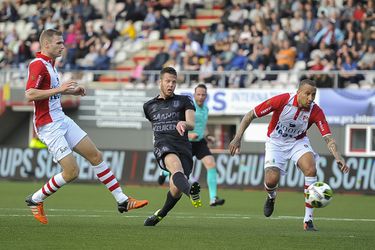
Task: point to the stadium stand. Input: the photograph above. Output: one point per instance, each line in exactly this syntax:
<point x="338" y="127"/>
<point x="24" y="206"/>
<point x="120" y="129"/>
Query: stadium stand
<point x="129" y="41"/>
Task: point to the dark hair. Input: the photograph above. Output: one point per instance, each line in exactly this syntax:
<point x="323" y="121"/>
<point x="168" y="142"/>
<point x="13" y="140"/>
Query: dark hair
<point x="48" y="34"/>
<point x="307" y="81"/>
<point x="168" y="70"/>
<point x="201" y="85"/>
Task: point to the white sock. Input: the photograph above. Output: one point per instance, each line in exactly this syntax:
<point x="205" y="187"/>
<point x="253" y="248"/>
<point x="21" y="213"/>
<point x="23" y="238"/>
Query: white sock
<point x="308" y="209"/>
<point x="106" y="176"/>
<point x="49" y="188"/>
<point x="271" y="191"/>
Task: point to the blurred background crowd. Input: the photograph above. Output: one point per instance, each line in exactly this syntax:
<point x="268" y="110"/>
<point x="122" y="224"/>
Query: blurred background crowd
<point x="250" y="35"/>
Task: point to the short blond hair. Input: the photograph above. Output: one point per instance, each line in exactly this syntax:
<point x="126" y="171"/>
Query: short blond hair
<point x="48" y="34"/>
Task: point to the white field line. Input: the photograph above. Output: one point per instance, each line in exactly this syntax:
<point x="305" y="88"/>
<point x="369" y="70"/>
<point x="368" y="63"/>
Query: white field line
<point x="178" y="215"/>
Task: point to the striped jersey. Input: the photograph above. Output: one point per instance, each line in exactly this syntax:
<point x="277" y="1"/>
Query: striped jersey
<point x="42" y="75"/>
<point x="289" y="122"/>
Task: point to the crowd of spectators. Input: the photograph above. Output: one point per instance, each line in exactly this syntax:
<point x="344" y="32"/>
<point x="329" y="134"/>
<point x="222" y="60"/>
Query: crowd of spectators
<point x="251" y="35"/>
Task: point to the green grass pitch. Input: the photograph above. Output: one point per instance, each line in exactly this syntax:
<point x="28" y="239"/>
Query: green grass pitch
<point x="84" y="216"/>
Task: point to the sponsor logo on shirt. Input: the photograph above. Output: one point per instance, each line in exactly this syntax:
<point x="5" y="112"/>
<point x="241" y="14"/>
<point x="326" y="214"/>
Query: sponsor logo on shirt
<point x="63" y="149"/>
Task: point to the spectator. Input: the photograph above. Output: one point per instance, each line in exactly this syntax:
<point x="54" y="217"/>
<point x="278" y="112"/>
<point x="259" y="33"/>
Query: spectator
<point x="8" y="12"/>
<point x="302" y="47"/>
<point x="178" y="13"/>
<point x="89" y="11"/>
<point x="236" y="16"/>
<point x="297" y="23"/>
<point x="286" y="56"/>
<point x="88" y="62"/>
<point x="330" y="35"/>
<point x="150" y="20"/>
<point x="367" y="61"/>
<point x="160" y="59"/>
<point x="129" y="32"/>
<point x="102" y="61"/>
<point x="206" y="70"/>
<point x="346" y="65"/>
<point x="309" y="25"/>
<point x="162" y="23"/>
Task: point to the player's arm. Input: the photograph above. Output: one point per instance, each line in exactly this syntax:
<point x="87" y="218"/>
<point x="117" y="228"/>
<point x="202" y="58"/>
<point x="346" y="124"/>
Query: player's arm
<point x="317" y="116"/>
<point x="332" y="147"/>
<point x="188" y="124"/>
<point x="34" y="94"/>
<point x="75" y="90"/>
<point x="235" y="144"/>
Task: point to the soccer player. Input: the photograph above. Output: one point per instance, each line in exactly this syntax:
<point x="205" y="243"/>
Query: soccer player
<point x="199" y="145"/>
<point x="293" y="114"/>
<point x="172" y="116"/>
<point x="60" y="133"/>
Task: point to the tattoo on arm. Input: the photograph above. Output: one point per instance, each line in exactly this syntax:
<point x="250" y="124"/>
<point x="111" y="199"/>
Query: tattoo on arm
<point x="332" y="147"/>
<point x="245" y="122"/>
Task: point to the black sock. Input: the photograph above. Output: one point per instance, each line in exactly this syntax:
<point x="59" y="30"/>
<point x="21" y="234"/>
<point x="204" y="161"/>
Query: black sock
<point x="181" y="183"/>
<point x="168" y="205"/>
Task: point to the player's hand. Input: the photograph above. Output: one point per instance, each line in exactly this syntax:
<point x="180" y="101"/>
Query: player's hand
<point x="234" y="146"/>
<point x="68" y="87"/>
<point x="181" y="127"/>
<point x="79" y="90"/>
<point x="192" y="136"/>
<point x="343" y="167"/>
<point x="210" y="138"/>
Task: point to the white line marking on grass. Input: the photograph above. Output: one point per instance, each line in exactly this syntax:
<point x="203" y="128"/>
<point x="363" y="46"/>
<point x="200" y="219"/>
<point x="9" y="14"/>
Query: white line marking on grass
<point x="181" y="215"/>
<point x="324" y="218"/>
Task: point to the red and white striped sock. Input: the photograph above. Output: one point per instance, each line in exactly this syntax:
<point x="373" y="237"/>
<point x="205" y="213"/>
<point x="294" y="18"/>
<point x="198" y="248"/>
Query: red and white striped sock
<point x="308" y="208"/>
<point x="49" y="188"/>
<point x="106" y="176"/>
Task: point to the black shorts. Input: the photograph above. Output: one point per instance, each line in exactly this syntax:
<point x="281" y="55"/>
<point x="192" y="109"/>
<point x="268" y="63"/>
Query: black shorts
<point x="200" y="149"/>
<point x="182" y="150"/>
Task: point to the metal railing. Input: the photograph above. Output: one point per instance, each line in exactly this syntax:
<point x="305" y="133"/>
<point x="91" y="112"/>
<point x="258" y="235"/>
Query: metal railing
<point x="17" y="78"/>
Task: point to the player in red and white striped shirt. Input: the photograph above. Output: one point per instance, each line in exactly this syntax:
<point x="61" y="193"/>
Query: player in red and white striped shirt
<point x="60" y="133"/>
<point x="293" y="114"/>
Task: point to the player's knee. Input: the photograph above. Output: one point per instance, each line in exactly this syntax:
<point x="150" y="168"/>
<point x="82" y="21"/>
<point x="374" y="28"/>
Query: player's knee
<point x="96" y="158"/>
<point x="70" y="174"/>
<point x="310" y="172"/>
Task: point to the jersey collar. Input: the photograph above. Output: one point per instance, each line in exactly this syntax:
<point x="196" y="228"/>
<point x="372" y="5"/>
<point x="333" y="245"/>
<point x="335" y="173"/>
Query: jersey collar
<point x="159" y="98"/>
<point x="46" y="58"/>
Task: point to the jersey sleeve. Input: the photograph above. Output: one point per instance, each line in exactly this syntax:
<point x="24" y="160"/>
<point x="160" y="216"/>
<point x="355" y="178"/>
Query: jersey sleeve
<point x="37" y="72"/>
<point x="145" y="111"/>
<point x="271" y="104"/>
<point x="189" y="104"/>
<point x="317" y="116"/>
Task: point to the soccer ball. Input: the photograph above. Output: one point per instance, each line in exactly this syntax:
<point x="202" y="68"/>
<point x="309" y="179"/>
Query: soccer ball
<point x="319" y="194"/>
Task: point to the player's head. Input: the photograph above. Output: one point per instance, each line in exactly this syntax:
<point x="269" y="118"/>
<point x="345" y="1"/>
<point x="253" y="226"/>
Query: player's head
<point x="168" y="81"/>
<point x="306" y="93"/>
<point x="200" y="94"/>
<point x="51" y="43"/>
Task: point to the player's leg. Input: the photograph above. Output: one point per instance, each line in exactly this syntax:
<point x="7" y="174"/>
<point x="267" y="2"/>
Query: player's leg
<point x="162" y="176"/>
<point x="210" y="164"/>
<point x="54" y="138"/>
<point x="89" y="151"/>
<point x="307" y="165"/>
<point x="271" y="180"/>
<point x="178" y="181"/>
<point x="171" y="162"/>
<point x="275" y="165"/>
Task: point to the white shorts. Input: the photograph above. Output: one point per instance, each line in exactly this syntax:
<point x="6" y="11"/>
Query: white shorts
<point x="61" y="137"/>
<point x="278" y="156"/>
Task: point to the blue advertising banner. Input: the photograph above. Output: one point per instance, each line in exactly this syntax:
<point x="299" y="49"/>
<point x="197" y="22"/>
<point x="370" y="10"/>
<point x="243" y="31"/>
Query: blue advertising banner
<point x="342" y="106"/>
<point x="140" y="168"/>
